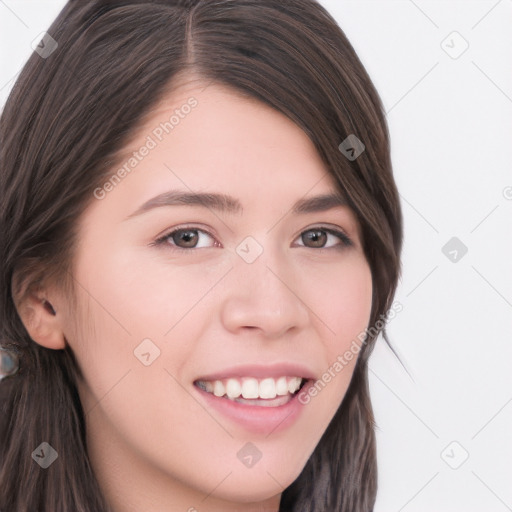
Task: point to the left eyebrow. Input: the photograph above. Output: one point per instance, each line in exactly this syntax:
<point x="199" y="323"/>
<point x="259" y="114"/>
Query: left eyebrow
<point x="319" y="203"/>
<point x="229" y="204"/>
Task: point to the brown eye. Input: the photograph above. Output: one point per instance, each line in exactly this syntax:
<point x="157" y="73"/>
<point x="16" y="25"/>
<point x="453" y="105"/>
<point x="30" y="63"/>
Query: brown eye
<point x="317" y="238"/>
<point x="185" y="238"/>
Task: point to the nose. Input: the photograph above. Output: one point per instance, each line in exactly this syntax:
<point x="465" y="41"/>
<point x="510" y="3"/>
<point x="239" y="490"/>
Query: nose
<point x="263" y="296"/>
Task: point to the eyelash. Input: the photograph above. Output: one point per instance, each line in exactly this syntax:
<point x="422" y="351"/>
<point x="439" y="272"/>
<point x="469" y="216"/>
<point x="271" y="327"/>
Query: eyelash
<point x="345" y="240"/>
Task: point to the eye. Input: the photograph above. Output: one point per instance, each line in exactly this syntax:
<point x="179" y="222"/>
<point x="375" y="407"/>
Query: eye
<point x="187" y="238"/>
<point x="319" y="236"/>
<point x="315" y="238"/>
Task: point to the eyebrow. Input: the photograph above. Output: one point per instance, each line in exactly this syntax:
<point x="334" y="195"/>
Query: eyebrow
<point x="227" y="204"/>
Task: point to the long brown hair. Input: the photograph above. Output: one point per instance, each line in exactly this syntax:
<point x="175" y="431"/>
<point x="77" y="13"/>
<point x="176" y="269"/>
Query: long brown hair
<point x="67" y="118"/>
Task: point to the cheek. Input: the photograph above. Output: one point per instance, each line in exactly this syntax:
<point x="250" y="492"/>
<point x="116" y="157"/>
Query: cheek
<point x="342" y="299"/>
<point x="148" y="289"/>
<point x="127" y="300"/>
<point x="342" y="303"/>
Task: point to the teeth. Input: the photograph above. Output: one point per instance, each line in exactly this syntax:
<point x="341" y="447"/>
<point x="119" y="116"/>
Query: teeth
<point x="282" y="386"/>
<point x="268" y="388"/>
<point x="294" y="384"/>
<point x="233" y="388"/>
<point x="218" y="388"/>
<point x="250" y="388"/>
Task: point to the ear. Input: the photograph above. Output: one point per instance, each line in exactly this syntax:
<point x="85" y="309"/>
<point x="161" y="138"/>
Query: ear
<point x="41" y="320"/>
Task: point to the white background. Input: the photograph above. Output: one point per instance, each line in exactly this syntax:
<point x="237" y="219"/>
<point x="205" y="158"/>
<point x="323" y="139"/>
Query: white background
<point x="451" y="128"/>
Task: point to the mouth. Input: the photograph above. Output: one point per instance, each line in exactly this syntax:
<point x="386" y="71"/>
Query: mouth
<point x="251" y="391"/>
<point x="260" y="398"/>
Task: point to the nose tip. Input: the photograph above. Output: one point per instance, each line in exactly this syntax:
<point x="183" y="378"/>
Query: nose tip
<point x="260" y="297"/>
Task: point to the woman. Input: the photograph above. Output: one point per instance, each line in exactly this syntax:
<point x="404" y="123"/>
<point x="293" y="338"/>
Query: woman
<point x="202" y="241"/>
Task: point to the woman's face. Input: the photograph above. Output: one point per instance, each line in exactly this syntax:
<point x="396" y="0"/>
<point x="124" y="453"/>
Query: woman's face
<point x="237" y="291"/>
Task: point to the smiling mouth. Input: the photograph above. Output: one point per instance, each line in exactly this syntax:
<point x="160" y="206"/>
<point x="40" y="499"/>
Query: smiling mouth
<point x="267" y="392"/>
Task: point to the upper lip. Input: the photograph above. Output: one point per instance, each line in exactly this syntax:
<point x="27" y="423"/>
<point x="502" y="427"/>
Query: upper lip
<point x="261" y="371"/>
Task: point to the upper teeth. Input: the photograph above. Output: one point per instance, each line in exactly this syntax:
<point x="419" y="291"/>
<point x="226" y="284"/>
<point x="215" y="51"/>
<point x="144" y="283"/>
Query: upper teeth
<point x="250" y="387"/>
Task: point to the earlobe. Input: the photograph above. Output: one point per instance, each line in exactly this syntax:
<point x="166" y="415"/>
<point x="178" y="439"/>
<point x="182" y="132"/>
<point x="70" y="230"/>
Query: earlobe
<point x="42" y="322"/>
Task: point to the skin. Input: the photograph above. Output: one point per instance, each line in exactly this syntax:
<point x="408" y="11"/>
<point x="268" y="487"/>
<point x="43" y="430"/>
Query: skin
<point x="152" y="444"/>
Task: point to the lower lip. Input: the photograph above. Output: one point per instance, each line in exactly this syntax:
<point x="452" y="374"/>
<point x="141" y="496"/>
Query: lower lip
<point x="254" y="418"/>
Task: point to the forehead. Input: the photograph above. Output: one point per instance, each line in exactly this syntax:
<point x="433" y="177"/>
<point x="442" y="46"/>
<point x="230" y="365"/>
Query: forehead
<point x="207" y="135"/>
<point x="225" y="118"/>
